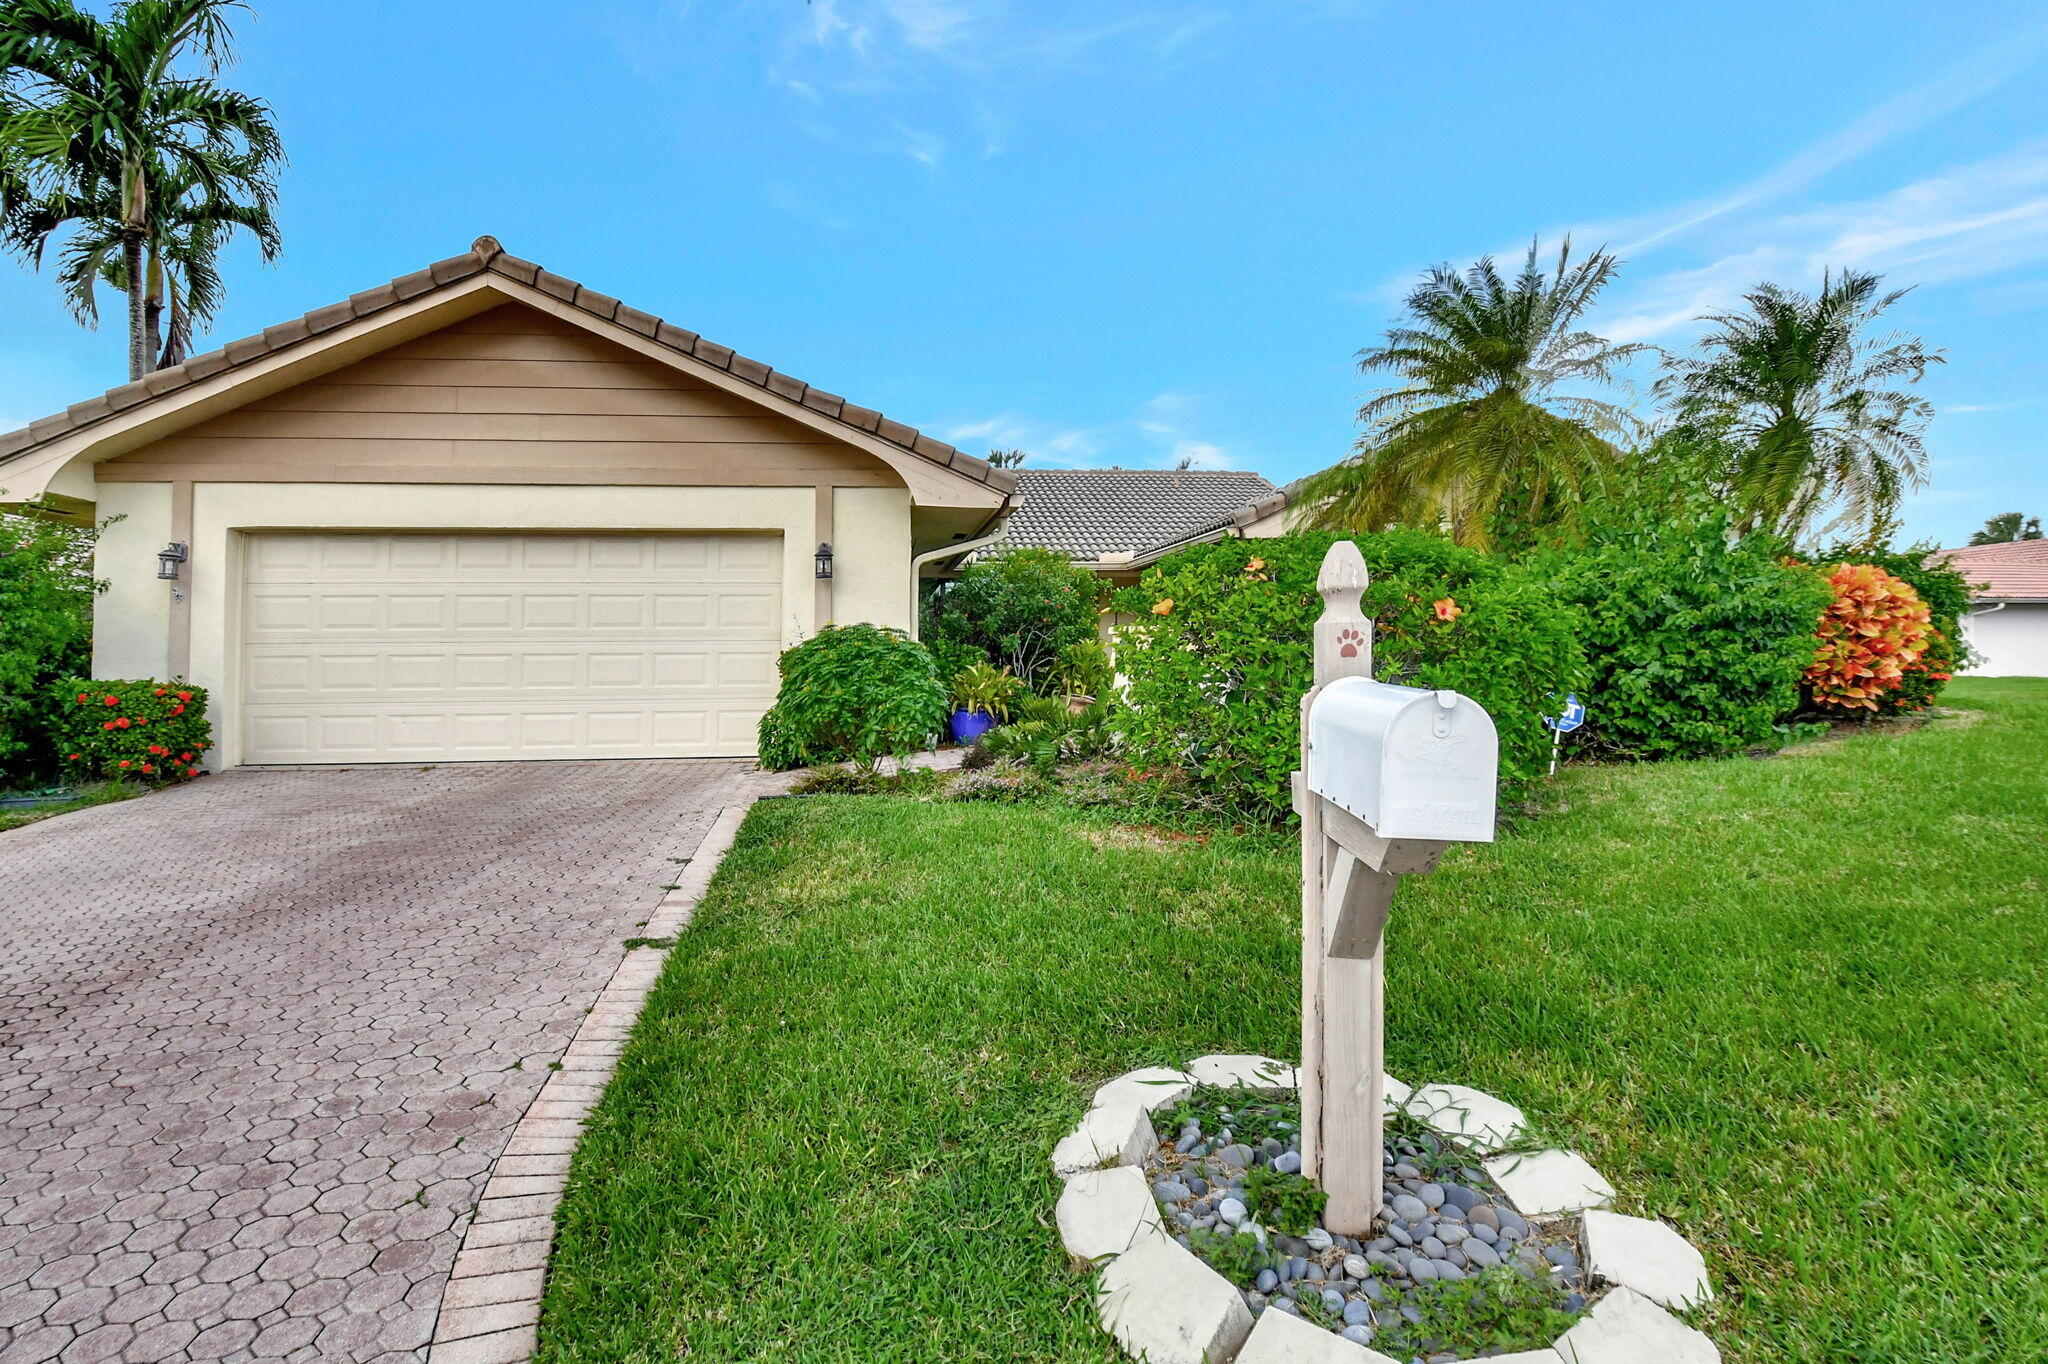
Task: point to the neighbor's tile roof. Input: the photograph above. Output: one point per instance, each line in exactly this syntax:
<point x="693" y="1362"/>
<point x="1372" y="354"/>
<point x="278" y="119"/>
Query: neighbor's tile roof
<point x="2017" y="571"/>
<point x="486" y="256"/>
<point x="1086" y="513"/>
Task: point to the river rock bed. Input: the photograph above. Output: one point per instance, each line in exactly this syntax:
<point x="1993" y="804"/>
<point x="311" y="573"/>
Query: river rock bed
<point x="1450" y="1272"/>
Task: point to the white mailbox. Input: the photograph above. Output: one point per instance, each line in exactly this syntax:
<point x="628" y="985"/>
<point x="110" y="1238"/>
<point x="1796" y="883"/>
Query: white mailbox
<point x="1408" y="762"/>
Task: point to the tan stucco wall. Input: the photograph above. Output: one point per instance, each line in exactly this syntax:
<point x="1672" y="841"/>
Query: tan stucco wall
<point x="131" y="620"/>
<point x="871" y="556"/>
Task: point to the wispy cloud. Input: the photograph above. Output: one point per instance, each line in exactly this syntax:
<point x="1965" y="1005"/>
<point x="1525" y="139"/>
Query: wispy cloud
<point x="1973" y="219"/>
<point x="1976" y="76"/>
<point x="1157" y="436"/>
<point x="951" y="70"/>
<point x="1981" y="218"/>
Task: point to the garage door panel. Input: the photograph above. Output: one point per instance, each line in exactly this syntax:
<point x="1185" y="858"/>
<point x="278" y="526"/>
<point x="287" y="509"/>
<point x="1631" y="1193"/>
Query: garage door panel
<point x="440" y="647"/>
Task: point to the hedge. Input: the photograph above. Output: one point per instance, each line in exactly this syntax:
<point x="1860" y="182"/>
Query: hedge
<point x="1217" y="654"/>
<point x="1697" y="637"/>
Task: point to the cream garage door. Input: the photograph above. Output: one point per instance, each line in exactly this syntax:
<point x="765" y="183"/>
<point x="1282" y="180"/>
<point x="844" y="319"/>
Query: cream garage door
<point x="477" y="647"/>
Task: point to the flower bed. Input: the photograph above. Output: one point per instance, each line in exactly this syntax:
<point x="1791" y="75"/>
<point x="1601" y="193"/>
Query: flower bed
<point x="1185" y="1188"/>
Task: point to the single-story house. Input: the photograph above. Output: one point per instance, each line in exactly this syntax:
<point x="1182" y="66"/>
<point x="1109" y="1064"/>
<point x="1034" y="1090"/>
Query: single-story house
<point x="484" y="512"/>
<point x="2007" y="625"/>
<point x="1117" y="522"/>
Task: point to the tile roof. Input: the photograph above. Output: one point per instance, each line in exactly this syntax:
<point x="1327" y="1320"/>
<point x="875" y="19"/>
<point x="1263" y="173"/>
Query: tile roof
<point x="486" y="256"/>
<point x="2016" y="571"/>
<point x="1087" y="513"/>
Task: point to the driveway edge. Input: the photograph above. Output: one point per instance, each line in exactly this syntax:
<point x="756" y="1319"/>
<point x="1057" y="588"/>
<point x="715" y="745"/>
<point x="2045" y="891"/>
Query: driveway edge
<point x="490" y="1309"/>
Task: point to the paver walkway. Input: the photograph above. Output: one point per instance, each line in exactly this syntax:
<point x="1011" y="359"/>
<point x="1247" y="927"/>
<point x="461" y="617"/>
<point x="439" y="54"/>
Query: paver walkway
<point x="262" y="1037"/>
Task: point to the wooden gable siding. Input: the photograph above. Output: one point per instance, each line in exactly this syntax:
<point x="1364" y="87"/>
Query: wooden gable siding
<point x="508" y="396"/>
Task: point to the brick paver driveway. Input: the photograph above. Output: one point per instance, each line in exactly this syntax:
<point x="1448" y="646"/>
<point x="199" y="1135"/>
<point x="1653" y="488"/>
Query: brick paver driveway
<point x="262" y="1037"/>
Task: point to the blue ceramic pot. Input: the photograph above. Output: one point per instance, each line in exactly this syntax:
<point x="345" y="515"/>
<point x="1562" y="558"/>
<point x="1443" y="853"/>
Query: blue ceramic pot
<point x="969" y="725"/>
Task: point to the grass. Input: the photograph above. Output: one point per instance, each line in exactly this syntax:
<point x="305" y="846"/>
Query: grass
<point x="1794" y="1006"/>
<point x="98" y="793"/>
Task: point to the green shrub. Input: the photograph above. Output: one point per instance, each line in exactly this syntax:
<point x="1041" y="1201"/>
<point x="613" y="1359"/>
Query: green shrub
<point x="853" y="693"/>
<point x="1219" y="653"/>
<point x="1697" y="637"/>
<point x="46" y="593"/>
<point x="1023" y="609"/>
<point x="152" y="732"/>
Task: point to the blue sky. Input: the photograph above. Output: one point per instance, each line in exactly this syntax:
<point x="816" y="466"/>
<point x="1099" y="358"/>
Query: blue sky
<point x="1128" y="233"/>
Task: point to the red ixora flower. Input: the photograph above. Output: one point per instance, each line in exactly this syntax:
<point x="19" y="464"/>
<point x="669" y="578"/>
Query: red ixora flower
<point x="121" y="723"/>
<point x="161" y="690"/>
<point x="158" y="750"/>
<point x="111" y="700"/>
<point x="73" y="757"/>
<point x="124" y="762"/>
<point x="177" y="710"/>
<point x="108" y="725"/>
<point x="145" y="767"/>
<point x="191" y="771"/>
<point x="83" y="698"/>
<point x="184" y="696"/>
<point x="1448" y="609"/>
<point x="184" y="757"/>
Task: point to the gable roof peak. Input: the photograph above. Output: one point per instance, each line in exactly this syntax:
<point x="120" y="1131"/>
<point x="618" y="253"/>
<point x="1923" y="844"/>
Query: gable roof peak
<point x="486" y="256"/>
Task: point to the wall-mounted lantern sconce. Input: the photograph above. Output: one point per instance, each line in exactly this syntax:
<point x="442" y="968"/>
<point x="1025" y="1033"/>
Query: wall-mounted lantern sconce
<point x="825" y="561"/>
<point x="168" y="558"/>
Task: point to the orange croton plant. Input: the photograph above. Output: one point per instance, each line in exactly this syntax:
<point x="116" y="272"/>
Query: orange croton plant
<point x="1874" y="630"/>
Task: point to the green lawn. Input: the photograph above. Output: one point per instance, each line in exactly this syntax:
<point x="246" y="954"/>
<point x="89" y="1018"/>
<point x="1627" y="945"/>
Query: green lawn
<point x="99" y="793"/>
<point x="1796" y="1006"/>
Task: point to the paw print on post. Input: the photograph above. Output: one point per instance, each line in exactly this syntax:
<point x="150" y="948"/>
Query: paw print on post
<point x="1349" y="642"/>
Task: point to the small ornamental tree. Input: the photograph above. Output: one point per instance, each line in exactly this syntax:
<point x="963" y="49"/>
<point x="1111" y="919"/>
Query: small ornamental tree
<point x="154" y="732"/>
<point x="853" y="693"/>
<point x="1023" y="609"/>
<point x="1874" y="629"/>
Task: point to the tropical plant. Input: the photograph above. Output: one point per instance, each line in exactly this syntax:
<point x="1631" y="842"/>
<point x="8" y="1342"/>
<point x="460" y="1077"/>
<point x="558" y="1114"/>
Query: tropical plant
<point x="853" y="693"/>
<point x="1875" y="628"/>
<point x="1022" y="609"/>
<point x="1483" y="436"/>
<point x="2006" y="527"/>
<point x="1085" y="669"/>
<point x="986" y="689"/>
<point x="46" y="594"/>
<point x="1007" y="459"/>
<point x="183" y="288"/>
<point x="1946" y="590"/>
<point x="1812" y="402"/>
<point x="1047" y="733"/>
<point x="93" y="114"/>
<point x="151" y="732"/>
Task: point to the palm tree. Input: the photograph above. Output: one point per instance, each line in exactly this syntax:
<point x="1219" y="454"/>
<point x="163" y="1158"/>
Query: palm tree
<point x="91" y="111"/>
<point x="1805" y="396"/>
<point x="189" y="227"/>
<point x="1477" y="437"/>
<point x="2006" y="528"/>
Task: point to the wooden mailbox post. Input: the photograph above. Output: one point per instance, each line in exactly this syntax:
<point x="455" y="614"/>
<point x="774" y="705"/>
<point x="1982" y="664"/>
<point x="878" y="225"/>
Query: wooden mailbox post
<point x="1390" y="776"/>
